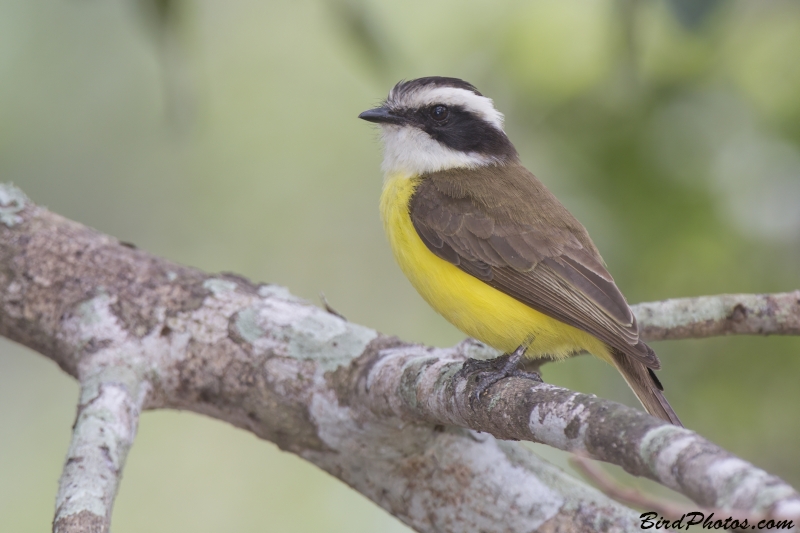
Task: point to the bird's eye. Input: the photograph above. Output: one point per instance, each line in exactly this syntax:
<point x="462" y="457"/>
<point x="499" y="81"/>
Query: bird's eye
<point x="439" y="112"/>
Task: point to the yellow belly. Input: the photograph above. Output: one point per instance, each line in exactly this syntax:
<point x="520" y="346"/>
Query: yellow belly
<point x="477" y="309"/>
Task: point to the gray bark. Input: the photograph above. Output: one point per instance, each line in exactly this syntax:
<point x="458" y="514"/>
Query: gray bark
<point x="391" y="419"/>
<point x="725" y="314"/>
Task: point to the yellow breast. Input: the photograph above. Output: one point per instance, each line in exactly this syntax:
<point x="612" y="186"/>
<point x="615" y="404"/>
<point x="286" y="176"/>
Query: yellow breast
<point x="477" y="309"/>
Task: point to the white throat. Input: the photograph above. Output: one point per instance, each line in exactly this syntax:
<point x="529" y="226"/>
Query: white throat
<point x="409" y="150"/>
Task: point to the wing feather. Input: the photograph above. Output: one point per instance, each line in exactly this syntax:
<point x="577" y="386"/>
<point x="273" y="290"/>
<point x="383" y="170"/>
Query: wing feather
<point x="539" y="255"/>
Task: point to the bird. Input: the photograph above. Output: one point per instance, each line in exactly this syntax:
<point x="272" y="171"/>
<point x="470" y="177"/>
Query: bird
<point x="490" y="248"/>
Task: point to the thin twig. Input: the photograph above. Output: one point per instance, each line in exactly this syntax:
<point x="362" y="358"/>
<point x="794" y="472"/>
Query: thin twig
<point x="328" y="307"/>
<point x="627" y="495"/>
<point x="723" y="314"/>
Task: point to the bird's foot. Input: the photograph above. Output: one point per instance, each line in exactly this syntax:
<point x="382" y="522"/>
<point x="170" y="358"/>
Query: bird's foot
<point x="491" y="371"/>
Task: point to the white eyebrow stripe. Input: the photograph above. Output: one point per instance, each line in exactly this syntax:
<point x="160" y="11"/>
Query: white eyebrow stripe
<point x="480" y="105"/>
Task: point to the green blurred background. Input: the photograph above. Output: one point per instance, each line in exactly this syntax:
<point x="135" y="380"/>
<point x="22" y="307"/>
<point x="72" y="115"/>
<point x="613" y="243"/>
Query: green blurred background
<point x="223" y="135"/>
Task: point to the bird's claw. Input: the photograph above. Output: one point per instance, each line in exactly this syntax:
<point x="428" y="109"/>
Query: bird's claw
<point x="491" y="371"/>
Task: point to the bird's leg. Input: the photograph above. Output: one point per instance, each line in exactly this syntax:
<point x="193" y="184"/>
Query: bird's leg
<point x="491" y="371"/>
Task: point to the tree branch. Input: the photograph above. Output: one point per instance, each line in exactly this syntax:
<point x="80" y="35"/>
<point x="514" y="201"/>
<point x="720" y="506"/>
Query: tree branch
<point x="725" y="314"/>
<point x="413" y="384"/>
<point x="380" y="414"/>
<point x="108" y="415"/>
<point x="664" y="508"/>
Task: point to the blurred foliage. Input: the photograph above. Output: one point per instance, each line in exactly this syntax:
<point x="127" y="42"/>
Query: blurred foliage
<point x="670" y="128"/>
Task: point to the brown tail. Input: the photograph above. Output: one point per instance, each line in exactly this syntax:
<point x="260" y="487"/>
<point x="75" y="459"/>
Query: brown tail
<point x="645" y="385"/>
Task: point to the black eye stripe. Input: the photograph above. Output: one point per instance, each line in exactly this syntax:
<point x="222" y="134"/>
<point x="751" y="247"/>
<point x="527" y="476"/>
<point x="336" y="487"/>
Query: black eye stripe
<point x="465" y="131"/>
<point x="462" y="130"/>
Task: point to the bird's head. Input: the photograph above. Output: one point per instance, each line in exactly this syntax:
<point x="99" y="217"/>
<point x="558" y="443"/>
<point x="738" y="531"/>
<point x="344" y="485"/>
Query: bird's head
<point x="435" y="123"/>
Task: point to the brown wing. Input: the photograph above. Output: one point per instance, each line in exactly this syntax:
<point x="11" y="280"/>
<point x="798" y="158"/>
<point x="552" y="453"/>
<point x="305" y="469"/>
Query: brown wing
<point x="501" y="225"/>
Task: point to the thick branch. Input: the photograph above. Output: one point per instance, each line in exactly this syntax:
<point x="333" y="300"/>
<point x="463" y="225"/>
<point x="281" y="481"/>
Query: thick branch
<point x="419" y="385"/>
<point x="366" y="408"/>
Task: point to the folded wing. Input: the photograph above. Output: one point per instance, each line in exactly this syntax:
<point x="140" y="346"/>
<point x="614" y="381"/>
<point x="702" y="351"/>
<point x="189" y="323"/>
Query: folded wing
<point x="538" y="254"/>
